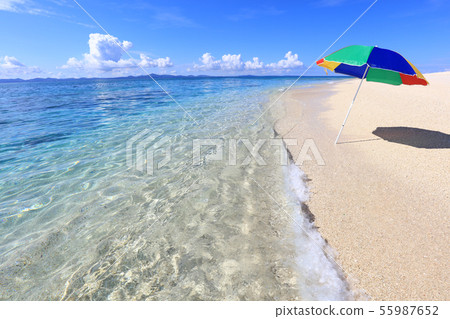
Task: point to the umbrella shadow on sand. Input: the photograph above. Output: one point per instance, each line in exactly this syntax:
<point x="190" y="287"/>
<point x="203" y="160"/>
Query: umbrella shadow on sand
<point x="415" y="137"/>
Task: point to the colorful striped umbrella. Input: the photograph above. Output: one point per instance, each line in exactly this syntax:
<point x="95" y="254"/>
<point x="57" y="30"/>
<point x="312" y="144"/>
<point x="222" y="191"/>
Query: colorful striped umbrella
<point x="373" y="64"/>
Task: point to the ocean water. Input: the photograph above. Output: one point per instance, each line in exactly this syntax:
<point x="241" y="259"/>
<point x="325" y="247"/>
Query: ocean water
<point x="104" y="194"/>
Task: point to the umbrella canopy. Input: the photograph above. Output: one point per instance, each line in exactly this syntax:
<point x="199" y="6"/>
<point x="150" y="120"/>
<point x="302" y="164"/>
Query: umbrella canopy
<point x="373" y="64"/>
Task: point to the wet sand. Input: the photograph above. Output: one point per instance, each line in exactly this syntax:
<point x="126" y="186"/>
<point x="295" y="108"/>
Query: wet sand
<point x="382" y="198"/>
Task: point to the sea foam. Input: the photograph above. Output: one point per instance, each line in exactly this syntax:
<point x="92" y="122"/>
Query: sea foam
<point x="319" y="276"/>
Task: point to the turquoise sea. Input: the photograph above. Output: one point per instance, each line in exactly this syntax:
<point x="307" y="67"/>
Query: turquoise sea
<point x="79" y="222"/>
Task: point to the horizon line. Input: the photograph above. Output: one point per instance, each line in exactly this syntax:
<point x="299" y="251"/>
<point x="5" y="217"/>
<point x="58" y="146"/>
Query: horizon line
<point x="159" y="75"/>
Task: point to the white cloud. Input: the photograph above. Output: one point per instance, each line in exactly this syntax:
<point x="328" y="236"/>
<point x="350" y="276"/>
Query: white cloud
<point x="208" y="62"/>
<point x="106" y="54"/>
<point x="228" y="62"/>
<point x="11" y="67"/>
<point x="11" y="62"/>
<point x="11" y="5"/>
<point x="254" y="65"/>
<point x="106" y="48"/>
<point x="234" y="62"/>
<point x="23" y="6"/>
<point x="290" y="62"/>
<point x="147" y="62"/>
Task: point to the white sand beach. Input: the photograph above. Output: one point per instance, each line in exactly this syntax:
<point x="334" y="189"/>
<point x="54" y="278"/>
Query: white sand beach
<point x="382" y="198"/>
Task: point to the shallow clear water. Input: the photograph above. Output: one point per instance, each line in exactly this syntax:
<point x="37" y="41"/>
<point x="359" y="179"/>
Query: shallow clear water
<point x="77" y="222"/>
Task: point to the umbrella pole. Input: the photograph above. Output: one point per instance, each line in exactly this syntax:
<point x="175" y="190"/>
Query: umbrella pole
<point x="350" y="108"/>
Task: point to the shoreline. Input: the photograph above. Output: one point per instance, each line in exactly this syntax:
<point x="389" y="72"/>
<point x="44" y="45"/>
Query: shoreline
<point x="319" y="277"/>
<point x="298" y="190"/>
<point x="381" y="205"/>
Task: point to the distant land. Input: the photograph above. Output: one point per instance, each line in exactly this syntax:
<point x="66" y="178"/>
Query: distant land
<point x="161" y="76"/>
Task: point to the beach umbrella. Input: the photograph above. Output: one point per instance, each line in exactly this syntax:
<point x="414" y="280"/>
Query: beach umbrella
<point x="373" y="64"/>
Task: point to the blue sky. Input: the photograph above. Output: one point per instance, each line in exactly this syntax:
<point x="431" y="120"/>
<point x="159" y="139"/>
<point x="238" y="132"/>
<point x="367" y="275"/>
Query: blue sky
<point x="42" y="38"/>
